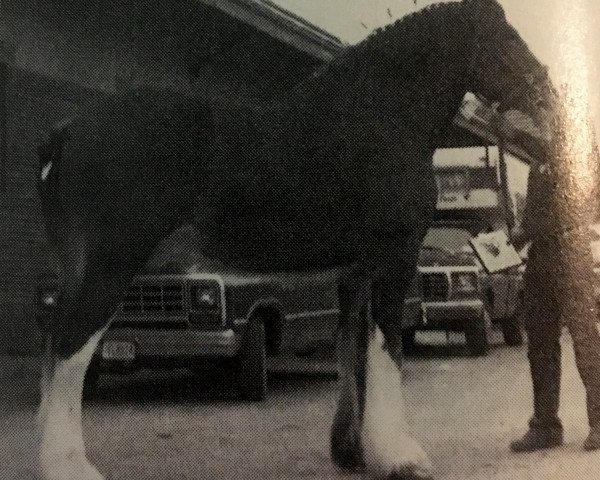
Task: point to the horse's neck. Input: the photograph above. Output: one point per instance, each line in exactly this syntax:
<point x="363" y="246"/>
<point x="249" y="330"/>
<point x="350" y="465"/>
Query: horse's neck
<point x="420" y="104"/>
<point x="357" y="106"/>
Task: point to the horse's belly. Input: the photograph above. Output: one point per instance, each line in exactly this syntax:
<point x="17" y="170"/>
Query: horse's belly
<point x="397" y="200"/>
<point x="276" y="236"/>
<point x="261" y="247"/>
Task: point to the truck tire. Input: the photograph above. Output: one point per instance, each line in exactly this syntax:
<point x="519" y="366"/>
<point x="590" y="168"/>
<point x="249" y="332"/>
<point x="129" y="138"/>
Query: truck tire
<point x="90" y="383"/>
<point x="408" y="341"/>
<point x="512" y="331"/>
<point x="252" y="363"/>
<point x="476" y="336"/>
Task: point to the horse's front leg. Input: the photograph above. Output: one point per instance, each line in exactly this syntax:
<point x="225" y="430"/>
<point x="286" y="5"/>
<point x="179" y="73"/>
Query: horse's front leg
<point x="82" y="316"/>
<point x="389" y="450"/>
<point x="370" y="429"/>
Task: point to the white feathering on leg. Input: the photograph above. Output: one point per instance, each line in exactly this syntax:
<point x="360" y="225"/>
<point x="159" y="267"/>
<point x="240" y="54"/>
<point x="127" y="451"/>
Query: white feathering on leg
<point x="62" y="451"/>
<point x="387" y="445"/>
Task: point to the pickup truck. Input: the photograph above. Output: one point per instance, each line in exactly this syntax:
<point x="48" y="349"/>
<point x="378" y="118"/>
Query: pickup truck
<point x="180" y="319"/>
<point x="458" y="295"/>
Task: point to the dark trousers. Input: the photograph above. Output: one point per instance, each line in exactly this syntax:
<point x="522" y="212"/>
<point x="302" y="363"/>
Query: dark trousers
<point x="559" y="290"/>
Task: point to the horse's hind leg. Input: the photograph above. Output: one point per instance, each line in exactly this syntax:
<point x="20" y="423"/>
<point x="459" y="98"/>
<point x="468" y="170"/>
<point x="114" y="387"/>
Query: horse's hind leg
<point x="83" y="314"/>
<point x="73" y="255"/>
<point x="62" y="451"/>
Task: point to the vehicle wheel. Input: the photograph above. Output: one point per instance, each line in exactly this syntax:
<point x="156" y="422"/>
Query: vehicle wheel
<point x="512" y="327"/>
<point x="408" y="341"/>
<point x="252" y="363"/>
<point x="512" y="331"/>
<point x="90" y="383"/>
<point x="476" y="336"/>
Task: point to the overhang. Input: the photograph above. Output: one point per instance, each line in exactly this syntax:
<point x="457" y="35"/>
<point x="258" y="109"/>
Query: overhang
<point x="283" y="25"/>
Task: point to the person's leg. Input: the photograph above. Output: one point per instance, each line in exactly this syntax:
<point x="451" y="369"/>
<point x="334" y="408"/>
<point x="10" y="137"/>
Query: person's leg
<point x="581" y="316"/>
<point x="543" y="328"/>
<point x="545" y="428"/>
<point x="586" y="343"/>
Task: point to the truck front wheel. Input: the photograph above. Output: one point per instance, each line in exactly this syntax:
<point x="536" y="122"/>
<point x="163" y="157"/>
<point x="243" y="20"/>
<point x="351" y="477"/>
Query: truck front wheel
<point x="252" y="362"/>
<point x="408" y="341"/>
<point x="512" y="331"/>
<point x="512" y="326"/>
<point x="476" y="336"/>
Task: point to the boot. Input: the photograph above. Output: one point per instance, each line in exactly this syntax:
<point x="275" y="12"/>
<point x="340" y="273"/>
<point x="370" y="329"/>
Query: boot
<point x="539" y="437"/>
<point x="592" y="442"/>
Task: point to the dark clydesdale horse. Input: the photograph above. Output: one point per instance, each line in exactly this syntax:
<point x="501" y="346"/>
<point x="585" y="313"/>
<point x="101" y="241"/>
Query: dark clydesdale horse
<point x="338" y="173"/>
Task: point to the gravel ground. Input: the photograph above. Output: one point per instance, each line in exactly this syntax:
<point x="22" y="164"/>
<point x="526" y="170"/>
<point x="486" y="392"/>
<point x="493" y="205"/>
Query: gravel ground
<point x="179" y="426"/>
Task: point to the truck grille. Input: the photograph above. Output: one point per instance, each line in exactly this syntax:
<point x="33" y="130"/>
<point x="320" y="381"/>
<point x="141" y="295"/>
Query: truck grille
<point x="152" y="298"/>
<point x="435" y="286"/>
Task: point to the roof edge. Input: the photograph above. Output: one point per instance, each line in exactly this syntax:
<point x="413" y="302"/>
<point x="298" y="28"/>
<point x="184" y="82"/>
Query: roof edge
<point x="283" y="25"/>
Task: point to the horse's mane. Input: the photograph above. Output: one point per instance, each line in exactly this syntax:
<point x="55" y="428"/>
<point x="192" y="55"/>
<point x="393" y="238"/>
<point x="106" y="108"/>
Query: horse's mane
<point x="406" y="30"/>
<point x="401" y="40"/>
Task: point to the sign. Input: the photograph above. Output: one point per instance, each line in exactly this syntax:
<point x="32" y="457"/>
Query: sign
<point x="495" y="251"/>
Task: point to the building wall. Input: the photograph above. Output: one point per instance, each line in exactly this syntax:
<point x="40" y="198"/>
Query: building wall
<point x="57" y="53"/>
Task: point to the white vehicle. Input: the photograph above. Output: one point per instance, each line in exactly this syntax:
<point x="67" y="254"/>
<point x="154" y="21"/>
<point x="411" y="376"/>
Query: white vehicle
<point x="459" y="296"/>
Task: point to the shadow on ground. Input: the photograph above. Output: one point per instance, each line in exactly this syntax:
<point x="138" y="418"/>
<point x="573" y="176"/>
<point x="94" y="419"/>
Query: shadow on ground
<point x="439" y="345"/>
<point x="182" y="386"/>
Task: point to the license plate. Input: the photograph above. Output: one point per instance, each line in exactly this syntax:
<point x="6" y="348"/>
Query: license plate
<point x="117" y="350"/>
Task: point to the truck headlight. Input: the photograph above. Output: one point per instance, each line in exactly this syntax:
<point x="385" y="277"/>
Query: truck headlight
<point x="205" y="305"/>
<point x="464" y="283"/>
<point x="205" y="297"/>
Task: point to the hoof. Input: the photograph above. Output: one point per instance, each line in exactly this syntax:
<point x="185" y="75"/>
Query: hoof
<point x="345" y="447"/>
<point x="346" y="454"/>
<point x="348" y="460"/>
<point x="592" y="442"/>
<point x="404" y="461"/>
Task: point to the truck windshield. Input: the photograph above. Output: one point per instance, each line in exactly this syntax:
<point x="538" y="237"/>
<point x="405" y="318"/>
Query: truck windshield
<point x="453" y="240"/>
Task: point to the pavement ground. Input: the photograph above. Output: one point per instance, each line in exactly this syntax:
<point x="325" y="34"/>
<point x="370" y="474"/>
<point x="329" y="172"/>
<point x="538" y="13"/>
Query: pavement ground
<point x="177" y="425"/>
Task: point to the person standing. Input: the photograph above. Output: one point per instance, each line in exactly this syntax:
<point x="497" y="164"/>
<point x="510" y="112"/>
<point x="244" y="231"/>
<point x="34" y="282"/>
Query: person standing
<point x="562" y="198"/>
